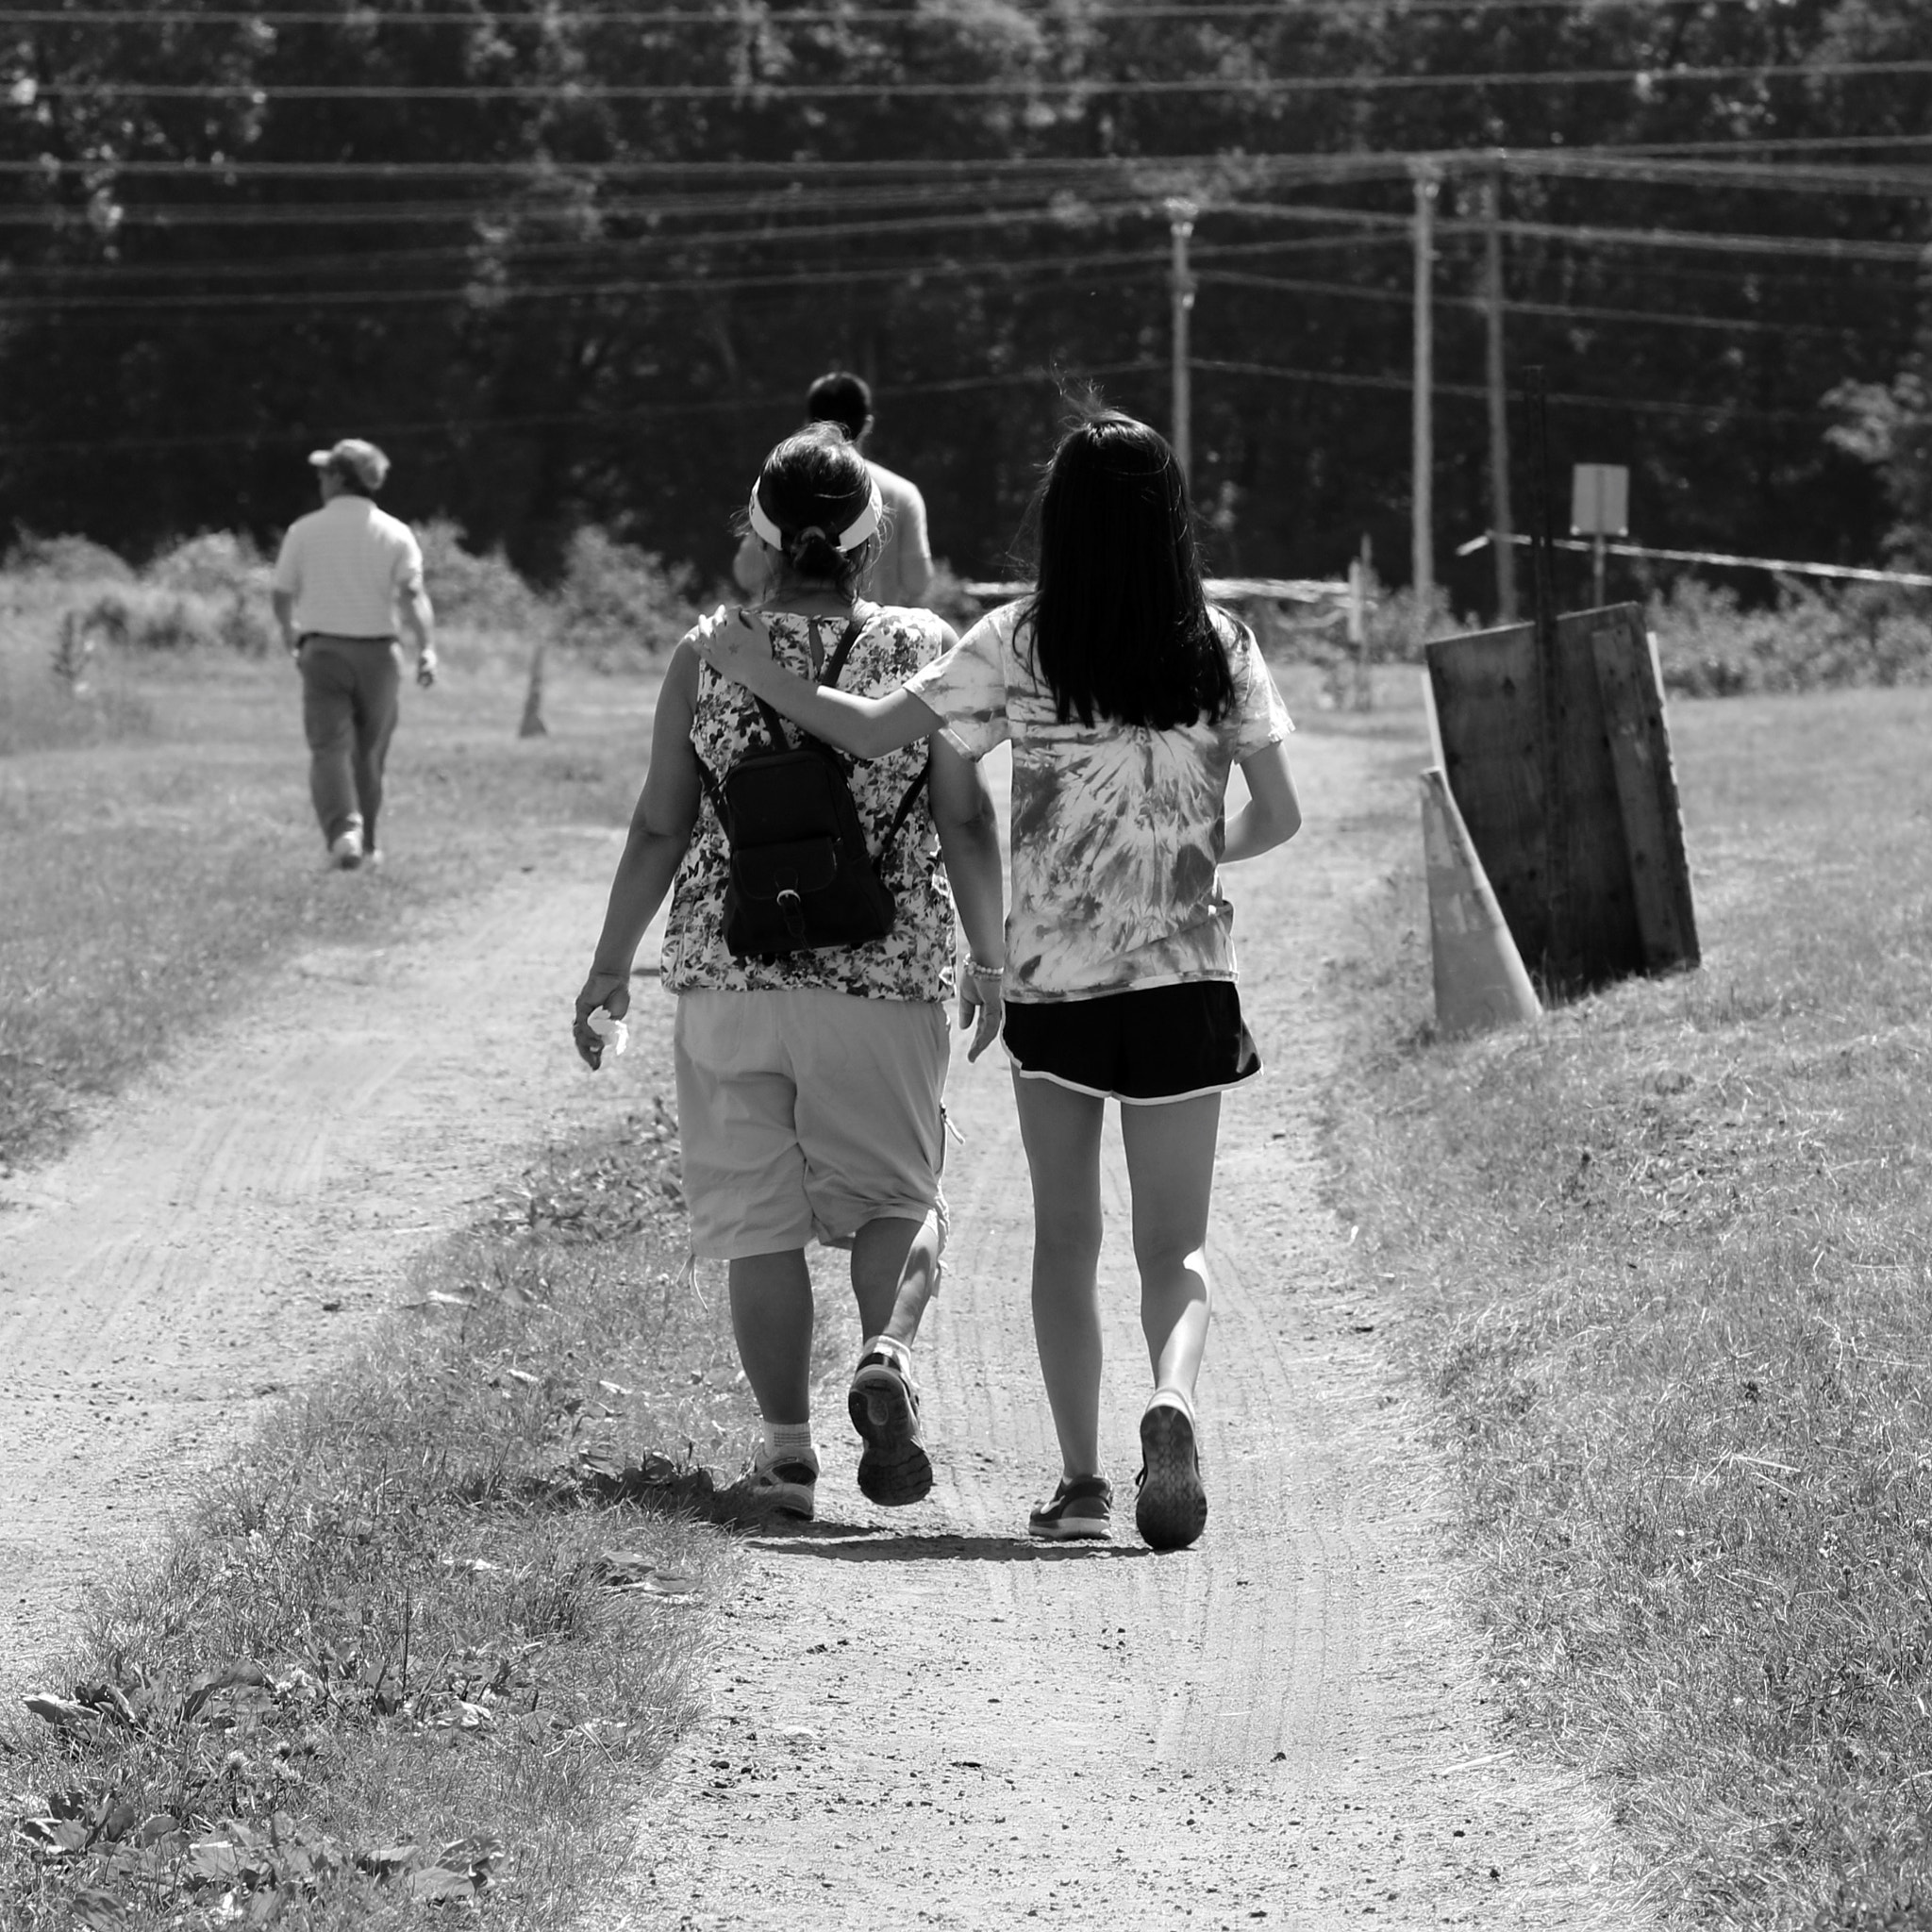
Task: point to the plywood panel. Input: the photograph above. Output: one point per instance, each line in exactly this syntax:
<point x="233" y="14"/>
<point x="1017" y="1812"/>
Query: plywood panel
<point x="1646" y="793"/>
<point x="1581" y="924"/>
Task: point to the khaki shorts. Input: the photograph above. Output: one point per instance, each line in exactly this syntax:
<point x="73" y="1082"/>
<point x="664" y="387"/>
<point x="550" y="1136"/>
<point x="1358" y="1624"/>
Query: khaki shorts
<point x="804" y="1113"/>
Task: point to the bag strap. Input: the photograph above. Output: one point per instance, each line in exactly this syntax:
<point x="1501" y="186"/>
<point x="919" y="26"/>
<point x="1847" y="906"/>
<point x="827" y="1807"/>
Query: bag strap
<point x="836" y="662"/>
<point x="713" y="792"/>
<point x="774" y="726"/>
<point x="899" y="817"/>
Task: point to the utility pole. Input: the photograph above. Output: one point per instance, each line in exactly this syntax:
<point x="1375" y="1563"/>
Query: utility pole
<point x="1180" y="224"/>
<point x="1428" y="180"/>
<point x="1502" y="528"/>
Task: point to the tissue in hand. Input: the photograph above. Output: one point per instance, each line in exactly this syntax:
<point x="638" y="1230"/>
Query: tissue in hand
<point x="613" y="1033"/>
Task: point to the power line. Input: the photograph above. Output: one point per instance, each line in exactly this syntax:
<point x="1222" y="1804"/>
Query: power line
<point x="484" y="298"/>
<point x="753" y="92"/>
<point x="1560" y="311"/>
<point x="295" y="435"/>
<point x="1314" y="166"/>
<point x="49" y="16"/>
<point x="285" y="267"/>
<point x="1474" y="391"/>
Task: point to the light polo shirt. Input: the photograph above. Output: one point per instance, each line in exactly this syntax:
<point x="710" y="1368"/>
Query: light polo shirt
<point x="345" y="565"/>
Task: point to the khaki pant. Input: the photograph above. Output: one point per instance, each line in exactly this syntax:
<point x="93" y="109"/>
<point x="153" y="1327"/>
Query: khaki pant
<point x="349" y="707"/>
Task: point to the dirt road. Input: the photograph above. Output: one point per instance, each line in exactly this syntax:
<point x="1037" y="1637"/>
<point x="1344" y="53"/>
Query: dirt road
<point x="921" y="1718"/>
<point x="232" y="1222"/>
<point x="918" y="1714"/>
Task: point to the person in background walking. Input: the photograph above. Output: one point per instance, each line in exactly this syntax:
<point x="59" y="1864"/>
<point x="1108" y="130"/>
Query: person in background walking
<point x="1128" y="701"/>
<point x="902" y="573"/>
<point x="345" y="573"/>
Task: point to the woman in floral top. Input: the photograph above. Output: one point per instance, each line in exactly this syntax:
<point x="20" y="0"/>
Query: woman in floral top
<point x="809" y="1083"/>
<point x="1127" y="702"/>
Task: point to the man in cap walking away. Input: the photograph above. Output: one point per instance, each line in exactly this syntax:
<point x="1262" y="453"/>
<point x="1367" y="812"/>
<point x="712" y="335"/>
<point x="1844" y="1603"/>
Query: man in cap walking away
<point x="903" y="573"/>
<point x="344" y="573"/>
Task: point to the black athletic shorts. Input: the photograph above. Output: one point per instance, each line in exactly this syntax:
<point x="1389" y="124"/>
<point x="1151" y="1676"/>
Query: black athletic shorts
<point x="1160" y="1042"/>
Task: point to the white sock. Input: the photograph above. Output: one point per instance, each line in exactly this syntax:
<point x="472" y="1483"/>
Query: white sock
<point x="790" y="1442"/>
<point x="1178" y="1398"/>
<point x="898" y="1353"/>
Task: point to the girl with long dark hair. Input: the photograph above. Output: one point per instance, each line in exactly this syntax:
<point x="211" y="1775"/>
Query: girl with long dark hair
<point x="1128" y="700"/>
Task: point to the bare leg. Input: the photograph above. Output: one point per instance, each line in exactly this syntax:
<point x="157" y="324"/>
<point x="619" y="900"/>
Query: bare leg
<point x="1171" y="1169"/>
<point x="894" y="1274"/>
<point x="1061" y="1130"/>
<point x="772" y="1317"/>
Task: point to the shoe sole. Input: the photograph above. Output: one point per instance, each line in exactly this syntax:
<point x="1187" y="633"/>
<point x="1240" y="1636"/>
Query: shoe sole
<point x="1077" y="1529"/>
<point x="787" y="1499"/>
<point x="895" y="1469"/>
<point x="1172" y="1508"/>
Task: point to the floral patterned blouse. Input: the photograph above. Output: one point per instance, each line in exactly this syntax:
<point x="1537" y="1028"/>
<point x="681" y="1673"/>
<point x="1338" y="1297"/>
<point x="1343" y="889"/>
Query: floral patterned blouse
<point x="914" y="961"/>
<point x="1117" y="829"/>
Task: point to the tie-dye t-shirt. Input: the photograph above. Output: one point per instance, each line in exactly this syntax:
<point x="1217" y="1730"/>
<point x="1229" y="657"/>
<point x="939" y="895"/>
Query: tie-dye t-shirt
<point x="1117" y="829"/>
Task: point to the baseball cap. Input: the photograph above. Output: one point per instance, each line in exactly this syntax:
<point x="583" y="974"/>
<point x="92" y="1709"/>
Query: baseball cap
<point x="354" y="461"/>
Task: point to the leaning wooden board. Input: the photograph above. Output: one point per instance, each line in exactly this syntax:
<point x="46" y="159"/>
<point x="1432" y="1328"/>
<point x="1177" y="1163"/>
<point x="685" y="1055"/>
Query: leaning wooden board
<point x="1614" y="897"/>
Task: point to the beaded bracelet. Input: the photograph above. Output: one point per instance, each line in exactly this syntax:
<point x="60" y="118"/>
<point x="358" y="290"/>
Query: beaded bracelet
<point x="976" y="970"/>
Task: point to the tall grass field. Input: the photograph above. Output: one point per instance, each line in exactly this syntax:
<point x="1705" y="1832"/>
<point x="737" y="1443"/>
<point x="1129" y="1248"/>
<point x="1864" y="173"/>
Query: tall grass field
<point x="1663" y="1263"/>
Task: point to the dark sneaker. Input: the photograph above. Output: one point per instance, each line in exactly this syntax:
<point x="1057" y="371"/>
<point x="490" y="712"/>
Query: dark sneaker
<point x="894" y="1468"/>
<point x="788" y="1484"/>
<point x="1170" y="1508"/>
<point x="1082" y="1506"/>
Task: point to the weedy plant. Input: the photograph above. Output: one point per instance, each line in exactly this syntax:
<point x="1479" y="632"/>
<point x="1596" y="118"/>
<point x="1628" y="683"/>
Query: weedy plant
<point x="427" y="1642"/>
<point x="1663" y="1259"/>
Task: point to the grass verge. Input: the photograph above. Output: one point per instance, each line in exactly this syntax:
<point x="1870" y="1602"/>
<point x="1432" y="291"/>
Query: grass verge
<point x="152" y="879"/>
<point x="428" y="1640"/>
<point x="1663" y="1261"/>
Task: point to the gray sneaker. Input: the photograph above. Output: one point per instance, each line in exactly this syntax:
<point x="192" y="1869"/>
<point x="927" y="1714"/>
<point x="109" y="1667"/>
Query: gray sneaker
<point x="1170" y="1508"/>
<point x="894" y="1468"/>
<point x="787" y="1483"/>
<point x="1082" y="1506"/>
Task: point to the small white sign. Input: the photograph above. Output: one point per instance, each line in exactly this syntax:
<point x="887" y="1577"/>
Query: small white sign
<point x="1600" y="500"/>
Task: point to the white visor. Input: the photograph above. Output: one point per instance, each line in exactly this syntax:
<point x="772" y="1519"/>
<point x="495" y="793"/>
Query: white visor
<point x="850" y="538"/>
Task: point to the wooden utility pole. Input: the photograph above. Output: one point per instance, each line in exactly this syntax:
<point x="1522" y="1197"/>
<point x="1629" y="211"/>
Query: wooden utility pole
<point x="1502" y="527"/>
<point x="1428" y="180"/>
<point x="1180" y="223"/>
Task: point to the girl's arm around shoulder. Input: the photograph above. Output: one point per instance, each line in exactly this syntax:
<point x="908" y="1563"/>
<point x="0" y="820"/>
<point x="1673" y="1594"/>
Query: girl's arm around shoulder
<point x="736" y="644"/>
<point x="1273" y="815"/>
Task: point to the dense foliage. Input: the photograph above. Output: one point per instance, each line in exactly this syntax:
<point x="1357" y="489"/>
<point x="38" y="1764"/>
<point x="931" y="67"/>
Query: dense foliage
<point x="577" y="266"/>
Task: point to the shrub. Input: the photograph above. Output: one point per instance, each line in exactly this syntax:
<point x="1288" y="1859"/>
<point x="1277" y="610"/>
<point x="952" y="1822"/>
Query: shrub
<point x="1711" y="645"/>
<point x="946" y="597"/>
<point x="217" y="563"/>
<point x="616" y="598"/>
<point x="483" y="592"/>
<point x="68" y="560"/>
<point x="145" y="619"/>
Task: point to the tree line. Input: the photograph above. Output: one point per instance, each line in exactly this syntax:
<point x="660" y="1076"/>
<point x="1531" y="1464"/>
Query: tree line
<point x="577" y="266"/>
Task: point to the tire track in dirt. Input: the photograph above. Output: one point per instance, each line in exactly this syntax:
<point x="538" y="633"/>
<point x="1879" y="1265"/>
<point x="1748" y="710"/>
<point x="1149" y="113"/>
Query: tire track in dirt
<point x="922" y="1717"/>
<point x="228" y="1228"/>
